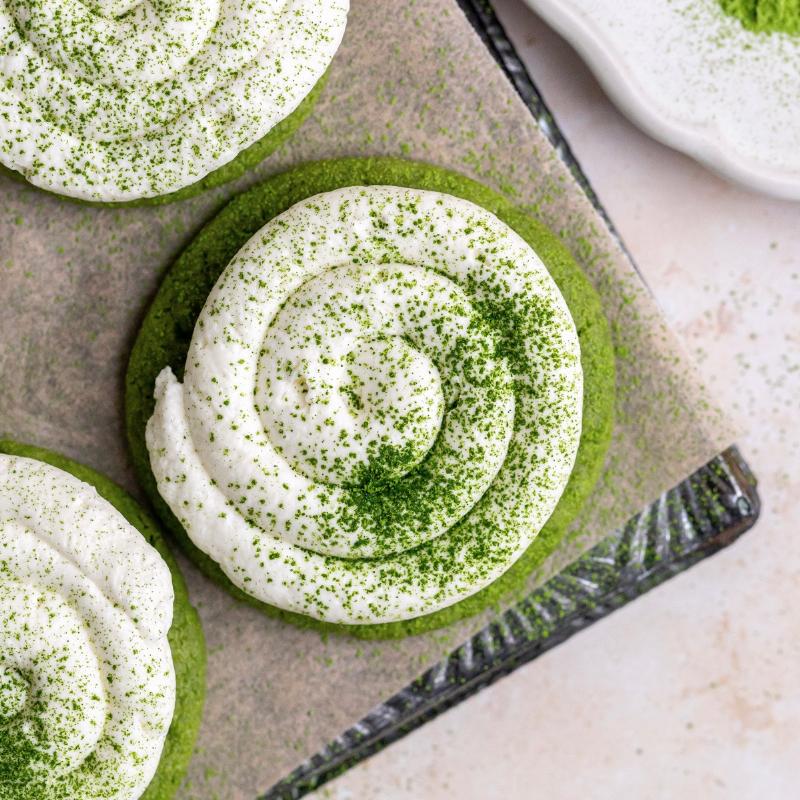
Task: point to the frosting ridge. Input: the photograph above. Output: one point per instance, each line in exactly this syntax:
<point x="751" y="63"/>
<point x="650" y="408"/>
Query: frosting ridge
<point x="87" y="685"/>
<point x="117" y="100"/>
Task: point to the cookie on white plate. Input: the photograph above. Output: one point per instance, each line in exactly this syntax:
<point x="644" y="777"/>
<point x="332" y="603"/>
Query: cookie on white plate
<point x="716" y="79"/>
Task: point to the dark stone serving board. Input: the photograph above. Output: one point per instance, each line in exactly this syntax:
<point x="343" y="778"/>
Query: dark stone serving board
<point x="703" y="514"/>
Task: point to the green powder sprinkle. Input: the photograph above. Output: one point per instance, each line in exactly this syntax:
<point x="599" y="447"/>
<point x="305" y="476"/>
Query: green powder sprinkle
<point x="765" y="16"/>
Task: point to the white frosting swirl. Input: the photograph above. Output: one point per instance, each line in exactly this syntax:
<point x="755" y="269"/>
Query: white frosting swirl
<point x="117" y="100"/>
<point x="87" y="686"/>
<point x="380" y="408"/>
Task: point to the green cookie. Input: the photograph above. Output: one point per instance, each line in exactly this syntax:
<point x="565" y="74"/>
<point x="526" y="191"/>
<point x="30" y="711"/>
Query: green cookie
<point x="167" y="330"/>
<point x="185" y="636"/>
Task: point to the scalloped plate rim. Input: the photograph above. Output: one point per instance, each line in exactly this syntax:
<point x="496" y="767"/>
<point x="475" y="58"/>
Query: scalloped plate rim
<point x="705" y="145"/>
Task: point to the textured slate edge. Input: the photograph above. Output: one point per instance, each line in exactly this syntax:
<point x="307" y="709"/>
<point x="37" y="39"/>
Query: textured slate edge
<point x="482" y="17"/>
<point x="692" y="521"/>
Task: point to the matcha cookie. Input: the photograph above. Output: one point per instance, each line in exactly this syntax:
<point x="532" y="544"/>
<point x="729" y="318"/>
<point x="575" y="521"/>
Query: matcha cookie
<point x="103" y="659"/>
<point x="381" y="394"/>
<point x="120" y="101"/>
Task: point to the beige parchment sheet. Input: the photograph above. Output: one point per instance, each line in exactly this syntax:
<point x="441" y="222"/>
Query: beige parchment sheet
<point x="412" y="79"/>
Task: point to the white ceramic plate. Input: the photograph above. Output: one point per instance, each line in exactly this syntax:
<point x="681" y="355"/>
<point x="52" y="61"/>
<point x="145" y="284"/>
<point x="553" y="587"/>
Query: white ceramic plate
<point x="697" y="80"/>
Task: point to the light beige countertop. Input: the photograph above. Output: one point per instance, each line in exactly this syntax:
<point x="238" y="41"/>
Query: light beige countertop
<point x="694" y="689"/>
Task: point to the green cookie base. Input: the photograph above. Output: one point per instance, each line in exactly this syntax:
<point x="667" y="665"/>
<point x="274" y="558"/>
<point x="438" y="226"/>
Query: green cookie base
<point x="244" y="161"/>
<point x="185" y="636"/>
<point x="167" y="330"/>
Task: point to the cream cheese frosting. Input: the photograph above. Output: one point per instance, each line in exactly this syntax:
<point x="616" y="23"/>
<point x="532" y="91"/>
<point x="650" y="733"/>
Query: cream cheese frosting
<point x="118" y="100"/>
<point x="87" y="686"/>
<point x="380" y="407"/>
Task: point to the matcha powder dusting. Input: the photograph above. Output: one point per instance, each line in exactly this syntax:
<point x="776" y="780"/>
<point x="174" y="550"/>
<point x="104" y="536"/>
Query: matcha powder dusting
<point x="766" y="16"/>
<point x="394" y="422"/>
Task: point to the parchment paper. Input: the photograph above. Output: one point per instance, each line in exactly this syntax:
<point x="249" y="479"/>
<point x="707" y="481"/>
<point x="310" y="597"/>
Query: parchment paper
<point x="411" y="79"/>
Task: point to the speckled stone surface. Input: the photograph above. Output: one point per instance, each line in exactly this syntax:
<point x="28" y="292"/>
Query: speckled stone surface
<point x="690" y="691"/>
